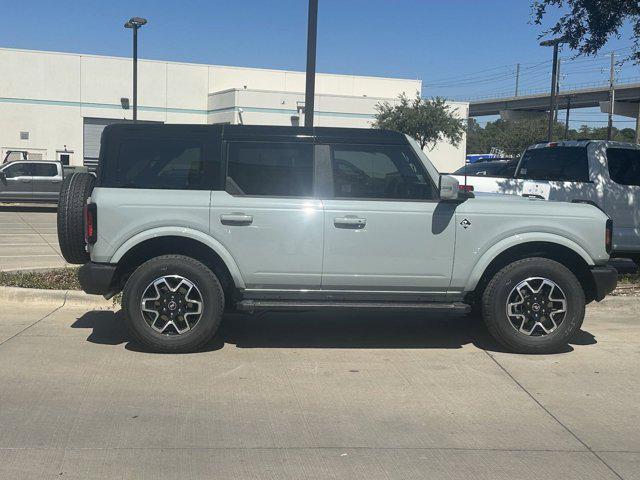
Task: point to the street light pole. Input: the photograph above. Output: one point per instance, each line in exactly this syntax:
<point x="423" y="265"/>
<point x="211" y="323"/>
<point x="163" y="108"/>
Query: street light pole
<point x="310" y="88"/>
<point x="554" y="79"/>
<point x="135" y="23"/>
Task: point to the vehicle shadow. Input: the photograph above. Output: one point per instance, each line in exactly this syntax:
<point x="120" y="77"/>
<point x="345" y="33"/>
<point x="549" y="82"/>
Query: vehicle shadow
<point x="353" y="330"/>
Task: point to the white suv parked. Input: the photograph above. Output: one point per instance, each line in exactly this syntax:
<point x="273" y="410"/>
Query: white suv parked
<point x="191" y="220"/>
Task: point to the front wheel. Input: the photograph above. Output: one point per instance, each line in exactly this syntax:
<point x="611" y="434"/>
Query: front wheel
<point x="535" y="305"/>
<point x="173" y="304"/>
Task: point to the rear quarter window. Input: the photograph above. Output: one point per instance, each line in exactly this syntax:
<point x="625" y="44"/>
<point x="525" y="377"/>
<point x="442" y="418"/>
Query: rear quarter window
<point x="161" y="163"/>
<point x="566" y="164"/>
<point x="624" y="165"/>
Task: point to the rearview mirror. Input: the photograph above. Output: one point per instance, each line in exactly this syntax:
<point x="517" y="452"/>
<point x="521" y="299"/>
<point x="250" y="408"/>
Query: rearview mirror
<point x="449" y="188"/>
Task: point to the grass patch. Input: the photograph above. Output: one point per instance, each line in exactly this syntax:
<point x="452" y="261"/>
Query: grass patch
<point x="56" y="279"/>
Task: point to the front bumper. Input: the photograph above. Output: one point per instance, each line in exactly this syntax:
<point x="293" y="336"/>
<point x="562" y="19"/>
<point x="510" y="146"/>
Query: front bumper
<point x="97" y="278"/>
<point x="605" y="280"/>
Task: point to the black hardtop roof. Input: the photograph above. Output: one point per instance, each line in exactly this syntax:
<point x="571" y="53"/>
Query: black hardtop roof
<point x="265" y="132"/>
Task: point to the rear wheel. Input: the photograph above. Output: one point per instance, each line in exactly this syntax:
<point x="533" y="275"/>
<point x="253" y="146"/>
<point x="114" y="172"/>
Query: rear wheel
<point x="76" y="189"/>
<point x="534" y="305"/>
<point x="173" y="304"/>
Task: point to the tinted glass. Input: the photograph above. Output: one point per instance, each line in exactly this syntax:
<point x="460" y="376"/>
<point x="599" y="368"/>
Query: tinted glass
<point x="178" y="164"/>
<point x="273" y="169"/>
<point x="18" y="170"/>
<point x="499" y="169"/>
<point x="624" y="165"/>
<point x="555" y="163"/>
<point x="375" y="171"/>
<point x="44" y="170"/>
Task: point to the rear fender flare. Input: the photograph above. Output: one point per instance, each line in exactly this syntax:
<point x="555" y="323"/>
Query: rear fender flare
<point x="176" y="231"/>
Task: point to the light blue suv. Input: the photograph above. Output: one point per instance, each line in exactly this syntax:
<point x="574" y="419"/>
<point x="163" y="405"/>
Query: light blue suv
<point x="191" y="220"/>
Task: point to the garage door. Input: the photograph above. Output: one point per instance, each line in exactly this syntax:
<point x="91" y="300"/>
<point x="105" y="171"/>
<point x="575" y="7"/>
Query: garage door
<point x="91" y="138"/>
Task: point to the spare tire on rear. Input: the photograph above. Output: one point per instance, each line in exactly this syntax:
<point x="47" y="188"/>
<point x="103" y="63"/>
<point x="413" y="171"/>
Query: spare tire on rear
<point x="75" y="190"/>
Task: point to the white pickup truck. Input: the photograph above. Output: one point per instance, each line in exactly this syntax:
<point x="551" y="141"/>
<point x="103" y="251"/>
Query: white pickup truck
<point x="606" y="174"/>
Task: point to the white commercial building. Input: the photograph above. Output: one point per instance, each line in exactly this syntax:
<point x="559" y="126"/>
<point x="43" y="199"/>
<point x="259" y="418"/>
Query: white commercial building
<point x="55" y="105"/>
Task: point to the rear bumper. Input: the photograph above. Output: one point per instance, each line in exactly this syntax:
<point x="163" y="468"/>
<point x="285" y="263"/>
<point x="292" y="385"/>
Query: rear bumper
<point x="97" y="278"/>
<point x="605" y="280"/>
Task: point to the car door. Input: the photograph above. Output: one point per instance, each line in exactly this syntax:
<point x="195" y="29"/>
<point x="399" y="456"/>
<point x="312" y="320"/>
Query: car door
<point x="384" y="228"/>
<point x="559" y="173"/>
<point x="267" y="216"/>
<point x="622" y="177"/>
<point x="15" y="183"/>
<point x="46" y="181"/>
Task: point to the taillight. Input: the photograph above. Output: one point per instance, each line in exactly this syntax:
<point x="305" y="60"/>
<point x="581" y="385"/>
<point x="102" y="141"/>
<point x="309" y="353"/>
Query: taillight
<point x="466" y="188"/>
<point x="608" y="236"/>
<point x="90" y="223"/>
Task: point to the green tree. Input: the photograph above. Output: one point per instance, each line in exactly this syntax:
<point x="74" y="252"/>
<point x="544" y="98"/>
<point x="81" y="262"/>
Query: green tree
<point x="513" y="137"/>
<point x="427" y="120"/>
<point x="586" y="25"/>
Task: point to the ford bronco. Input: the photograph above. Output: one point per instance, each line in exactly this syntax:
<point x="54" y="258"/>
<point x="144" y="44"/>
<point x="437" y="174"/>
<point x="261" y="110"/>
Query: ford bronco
<point x="191" y="220"/>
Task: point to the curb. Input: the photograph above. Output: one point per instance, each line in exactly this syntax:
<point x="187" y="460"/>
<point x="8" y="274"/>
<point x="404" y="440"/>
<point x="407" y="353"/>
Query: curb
<point x="60" y="298"/>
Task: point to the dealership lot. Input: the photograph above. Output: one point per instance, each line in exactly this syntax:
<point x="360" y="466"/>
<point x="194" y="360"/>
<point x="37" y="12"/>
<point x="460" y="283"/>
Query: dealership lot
<point x="355" y="395"/>
<point x="28" y="238"/>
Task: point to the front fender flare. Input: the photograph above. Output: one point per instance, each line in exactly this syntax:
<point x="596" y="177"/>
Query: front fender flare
<point x="197" y="235"/>
<point x="519" y="239"/>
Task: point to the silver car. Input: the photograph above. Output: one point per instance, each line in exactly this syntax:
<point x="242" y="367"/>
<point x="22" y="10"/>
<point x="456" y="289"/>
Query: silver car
<point x="30" y="181"/>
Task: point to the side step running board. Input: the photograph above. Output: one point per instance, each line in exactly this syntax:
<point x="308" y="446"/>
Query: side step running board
<point x="255" y="305"/>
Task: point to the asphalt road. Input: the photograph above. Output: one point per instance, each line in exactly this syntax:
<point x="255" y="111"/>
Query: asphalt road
<point x="318" y="396"/>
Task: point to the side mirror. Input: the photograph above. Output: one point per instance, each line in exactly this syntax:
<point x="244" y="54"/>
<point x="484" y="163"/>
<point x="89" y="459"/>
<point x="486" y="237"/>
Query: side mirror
<point x="449" y="188"/>
<point x="3" y="176"/>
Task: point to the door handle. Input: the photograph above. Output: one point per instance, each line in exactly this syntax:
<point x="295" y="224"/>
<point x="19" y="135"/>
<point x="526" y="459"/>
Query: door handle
<point x="236" y="219"/>
<point x="55" y="181"/>
<point x="26" y="180"/>
<point x="350" y="222"/>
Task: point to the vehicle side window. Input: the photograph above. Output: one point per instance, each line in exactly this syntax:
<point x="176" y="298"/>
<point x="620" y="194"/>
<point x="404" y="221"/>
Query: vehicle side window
<point x="568" y="164"/>
<point x="270" y="169"/>
<point x="379" y="172"/>
<point x="44" y="170"/>
<point x="624" y="165"/>
<point x="162" y="163"/>
<point x="18" y="170"/>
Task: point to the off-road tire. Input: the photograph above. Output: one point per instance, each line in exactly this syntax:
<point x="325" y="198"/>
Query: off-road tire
<point x="495" y="297"/>
<point x="201" y="276"/>
<point x="75" y="190"/>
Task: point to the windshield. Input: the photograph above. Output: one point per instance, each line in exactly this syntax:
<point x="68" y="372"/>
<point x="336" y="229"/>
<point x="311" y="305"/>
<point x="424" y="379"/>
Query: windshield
<point x="431" y="170"/>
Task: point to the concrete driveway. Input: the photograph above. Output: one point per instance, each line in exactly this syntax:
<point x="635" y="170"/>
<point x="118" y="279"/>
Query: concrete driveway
<point x="28" y="238"/>
<point x="320" y="396"/>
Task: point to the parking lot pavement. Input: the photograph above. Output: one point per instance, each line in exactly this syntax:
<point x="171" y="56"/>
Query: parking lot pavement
<point x="290" y="395"/>
<point x="28" y="238"/>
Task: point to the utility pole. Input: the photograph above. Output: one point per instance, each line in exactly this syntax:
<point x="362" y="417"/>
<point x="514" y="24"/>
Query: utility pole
<point x="566" y="120"/>
<point x="555" y="113"/>
<point x="637" y="139"/>
<point x="517" y="78"/>
<point x="310" y="88"/>
<point x="612" y="95"/>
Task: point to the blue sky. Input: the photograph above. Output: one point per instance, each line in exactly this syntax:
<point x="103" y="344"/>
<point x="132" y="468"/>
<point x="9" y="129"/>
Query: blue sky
<point x="439" y="42"/>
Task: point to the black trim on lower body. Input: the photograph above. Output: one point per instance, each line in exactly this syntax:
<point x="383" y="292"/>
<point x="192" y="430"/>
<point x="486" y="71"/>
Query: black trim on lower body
<point x="97" y="278"/>
<point x="605" y="280"/>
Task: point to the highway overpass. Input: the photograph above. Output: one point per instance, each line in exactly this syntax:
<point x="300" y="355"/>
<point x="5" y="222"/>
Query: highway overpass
<point x="627" y="98"/>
